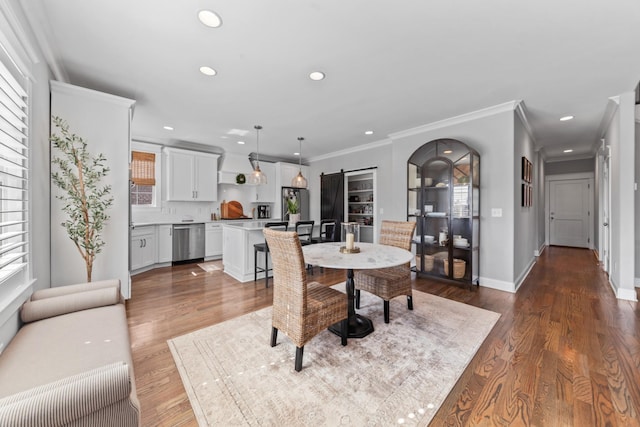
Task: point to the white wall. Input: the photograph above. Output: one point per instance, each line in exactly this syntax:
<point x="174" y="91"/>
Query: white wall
<point x="103" y="121"/>
<point x="491" y="133"/>
<point x="620" y="137"/>
<point x="637" y="199"/>
<point x="524" y="221"/>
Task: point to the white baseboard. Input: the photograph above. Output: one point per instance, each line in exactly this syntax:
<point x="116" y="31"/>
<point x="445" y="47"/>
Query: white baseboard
<point x="541" y="249"/>
<point x="525" y="274"/>
<point x="627" y="294"/>
<point x="498" y="284"/>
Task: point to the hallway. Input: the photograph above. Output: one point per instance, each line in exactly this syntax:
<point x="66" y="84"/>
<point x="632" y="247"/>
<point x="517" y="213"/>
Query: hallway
<point x="564" y="353"/>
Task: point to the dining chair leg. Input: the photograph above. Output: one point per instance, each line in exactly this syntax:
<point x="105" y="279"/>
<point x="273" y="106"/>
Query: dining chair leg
<point x="266" y="269"/>
<point x="410" y="302"/>
<point x="357" y="297"/>
<point x="274" y="336"/>
<point x="299" y="353"/>
<point x="386" y="311"/>
<point x="344" y="330"/>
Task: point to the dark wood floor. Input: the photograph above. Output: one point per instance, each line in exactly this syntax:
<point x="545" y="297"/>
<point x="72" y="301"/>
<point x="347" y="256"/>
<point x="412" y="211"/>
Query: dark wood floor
<point x="565" y="352"/>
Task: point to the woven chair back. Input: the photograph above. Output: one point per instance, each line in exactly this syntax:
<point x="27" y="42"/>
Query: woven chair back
<point x="289" y="273"/>
<point x="397" y="233"/>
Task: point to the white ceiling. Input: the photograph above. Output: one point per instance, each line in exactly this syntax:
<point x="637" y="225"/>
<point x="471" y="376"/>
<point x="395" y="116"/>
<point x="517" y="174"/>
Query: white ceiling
<point x="390" y="65"/>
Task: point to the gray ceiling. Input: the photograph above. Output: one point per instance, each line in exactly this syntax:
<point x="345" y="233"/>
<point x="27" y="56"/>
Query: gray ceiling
<point x="390" y="65"/>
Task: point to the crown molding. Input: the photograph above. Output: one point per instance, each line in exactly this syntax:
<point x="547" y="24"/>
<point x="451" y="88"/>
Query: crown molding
<point x="522" y="113"/>
<point x="352" y="150"/>
<point x="452" y="121"/>
<point x="68" y="89"/>
<point x="42" y="32"/>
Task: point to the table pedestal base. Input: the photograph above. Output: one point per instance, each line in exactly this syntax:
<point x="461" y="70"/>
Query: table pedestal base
<point x="359" y="327"/>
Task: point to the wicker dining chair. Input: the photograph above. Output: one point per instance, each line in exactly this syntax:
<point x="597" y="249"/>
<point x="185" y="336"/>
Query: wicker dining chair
<point x="388" y="283"/>
<point x="301" y="309"/>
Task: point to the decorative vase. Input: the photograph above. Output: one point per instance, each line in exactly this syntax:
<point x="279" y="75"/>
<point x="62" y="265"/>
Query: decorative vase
<point x="293" y="218"/>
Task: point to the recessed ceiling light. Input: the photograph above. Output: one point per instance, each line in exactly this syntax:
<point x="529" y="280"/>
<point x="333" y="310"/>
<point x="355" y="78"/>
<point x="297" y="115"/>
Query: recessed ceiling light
<point x="448" y="151"/>
<point x="241" y="142"/>
<point x="369" y="132"/>
<point x="565" y="118"/>
<point x="316" y="75"/>
<point x="568" y="151"/>
<point x="209" y="18"/>
<point x="296" y="154"/>
<point x="208" y="71"/>
<point x="168" y="127"/>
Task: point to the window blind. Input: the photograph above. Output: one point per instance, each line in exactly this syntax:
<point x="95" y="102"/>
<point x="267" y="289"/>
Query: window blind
<point x="143" y="168"/>
<point x="14" y="177"/>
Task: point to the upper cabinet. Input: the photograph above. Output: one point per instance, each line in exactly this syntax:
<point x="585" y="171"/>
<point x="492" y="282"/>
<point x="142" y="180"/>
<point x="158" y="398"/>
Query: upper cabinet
<point x="267" y="193"/>
<point x="444" y="199"/>
<point x="190" y="175"/>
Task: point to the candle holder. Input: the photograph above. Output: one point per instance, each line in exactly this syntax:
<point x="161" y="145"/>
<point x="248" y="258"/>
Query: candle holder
<point x="350" y="236"/>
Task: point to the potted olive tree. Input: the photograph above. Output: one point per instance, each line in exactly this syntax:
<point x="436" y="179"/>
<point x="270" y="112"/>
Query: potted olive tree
<point x="85" y="199"/>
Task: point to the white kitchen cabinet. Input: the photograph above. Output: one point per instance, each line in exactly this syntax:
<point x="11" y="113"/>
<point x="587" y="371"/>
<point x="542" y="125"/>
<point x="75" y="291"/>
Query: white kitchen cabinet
<point x="213" y="241"/>
<point x="267" y="193"/>
<point x="165" y="243"/>
<point x="190" y="175"/>
<point x="143" y="247"/>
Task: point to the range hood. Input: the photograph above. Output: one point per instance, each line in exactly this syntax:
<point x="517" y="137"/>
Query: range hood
<point x="231" y="165"/>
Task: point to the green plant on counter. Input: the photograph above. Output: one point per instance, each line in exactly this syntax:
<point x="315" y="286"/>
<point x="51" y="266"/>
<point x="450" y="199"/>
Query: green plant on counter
<point x="292" y="205"/>
<point x="85" y="200"/>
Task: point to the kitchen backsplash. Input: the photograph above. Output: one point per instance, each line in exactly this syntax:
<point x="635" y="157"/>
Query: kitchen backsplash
<point x="198" y="211"/>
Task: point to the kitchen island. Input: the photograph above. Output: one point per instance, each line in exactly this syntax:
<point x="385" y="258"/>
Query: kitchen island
<point x="238" y="238"/>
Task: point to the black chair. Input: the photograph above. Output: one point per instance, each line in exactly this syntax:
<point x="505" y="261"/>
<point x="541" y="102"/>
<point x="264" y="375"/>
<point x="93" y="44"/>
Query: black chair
<point x="305" y="231"/>
<point x="328" y="229"/>
<point x="263" y="247"/>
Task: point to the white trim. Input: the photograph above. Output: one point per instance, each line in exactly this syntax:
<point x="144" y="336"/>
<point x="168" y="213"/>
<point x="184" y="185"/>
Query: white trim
<point x="14" y="300"/>
<point x="456" y="120"/>
<point x="523" y="276"/>
<point x="67" y="89"/>
<point x="351" y="150"/>
<point x="569" y="158"/>
<point x="521" y="111"/>
<point x="540" y="250"/>
<point x="627" y="294"/>
<point x="498" y="284"/>
<point x="25" y="50"/>
<point x="570" y="176"/>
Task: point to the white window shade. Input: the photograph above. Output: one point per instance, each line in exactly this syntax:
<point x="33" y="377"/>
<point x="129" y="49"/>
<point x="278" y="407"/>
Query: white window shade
<point x="13" y="176"/>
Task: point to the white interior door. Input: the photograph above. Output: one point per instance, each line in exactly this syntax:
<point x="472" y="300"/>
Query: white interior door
<point x="569" y="213"/>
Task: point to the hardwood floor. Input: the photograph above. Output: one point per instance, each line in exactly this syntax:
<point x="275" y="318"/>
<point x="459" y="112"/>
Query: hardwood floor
<point x="565" y="351"/>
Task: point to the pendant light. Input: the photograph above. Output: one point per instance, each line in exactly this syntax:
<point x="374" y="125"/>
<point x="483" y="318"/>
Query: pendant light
<point x="257" y="177"/>
<point x="299" y="181"/>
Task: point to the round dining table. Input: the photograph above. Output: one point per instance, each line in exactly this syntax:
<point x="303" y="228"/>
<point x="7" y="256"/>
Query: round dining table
<point x="371" y="256"/>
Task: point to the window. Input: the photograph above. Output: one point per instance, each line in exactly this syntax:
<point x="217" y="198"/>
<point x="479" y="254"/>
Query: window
<point x="14" y="178"/>
<point x="145" y="176"/>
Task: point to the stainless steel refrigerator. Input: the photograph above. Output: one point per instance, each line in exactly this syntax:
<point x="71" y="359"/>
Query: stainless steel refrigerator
<point x="302" y="195"/>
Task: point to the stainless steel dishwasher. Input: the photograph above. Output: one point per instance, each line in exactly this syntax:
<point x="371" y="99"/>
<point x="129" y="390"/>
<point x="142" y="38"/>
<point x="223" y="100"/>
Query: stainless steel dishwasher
<point x="188" y="242"/>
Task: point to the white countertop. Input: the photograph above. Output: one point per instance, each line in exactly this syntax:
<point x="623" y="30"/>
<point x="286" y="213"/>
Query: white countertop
<point x="246" y="223"/>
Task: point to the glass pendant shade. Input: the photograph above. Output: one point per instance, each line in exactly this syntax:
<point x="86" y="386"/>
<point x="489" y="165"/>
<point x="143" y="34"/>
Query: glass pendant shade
<point x="257" y="177"/>
<point x="299" y="181"/>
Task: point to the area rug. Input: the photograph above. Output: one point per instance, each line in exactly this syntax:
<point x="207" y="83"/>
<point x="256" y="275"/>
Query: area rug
<point x="211" y="266"/>
<point x="399" y="374"/>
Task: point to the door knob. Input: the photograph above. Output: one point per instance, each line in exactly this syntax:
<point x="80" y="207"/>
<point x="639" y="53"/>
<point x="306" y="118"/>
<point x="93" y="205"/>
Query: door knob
<point x="606" y="224"/>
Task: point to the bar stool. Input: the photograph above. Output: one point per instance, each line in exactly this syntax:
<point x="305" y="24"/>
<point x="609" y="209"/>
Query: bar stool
<point x="328" y="231"/>
<point x="263" y="247"/>
<point x="305" y="231"/>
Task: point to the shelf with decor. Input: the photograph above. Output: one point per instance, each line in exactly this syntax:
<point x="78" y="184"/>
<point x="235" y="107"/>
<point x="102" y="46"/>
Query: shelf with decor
<point x="443" y="198"/>
<point x="360" y="201"/>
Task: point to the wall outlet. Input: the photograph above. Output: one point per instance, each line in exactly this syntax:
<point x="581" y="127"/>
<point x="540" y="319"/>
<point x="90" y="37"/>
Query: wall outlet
<point x="496" y="212"/>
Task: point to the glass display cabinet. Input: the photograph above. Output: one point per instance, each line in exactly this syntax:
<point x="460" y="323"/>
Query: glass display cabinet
<point x="443" y="185"/>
